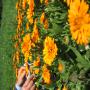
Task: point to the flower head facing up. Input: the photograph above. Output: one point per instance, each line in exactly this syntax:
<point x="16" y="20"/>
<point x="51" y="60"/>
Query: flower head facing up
<point x="50" y="50"/>
<point x="46" y="74"/>
<point x="79" y="21"/>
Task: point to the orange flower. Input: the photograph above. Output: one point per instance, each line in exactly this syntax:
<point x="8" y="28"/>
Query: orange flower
<point x="42" y="18"/>
<point x="64" y="87"/>
<point x="26" y="46"/>
<point x="17" y="5"/>
<point x="36" y="71"/>
<point x="44" y="21"/>
<point x="35" y="33"/>
<point x="30" y="11"/>
<point x="61" y="67"/>
<point x="46" y="24"/>
<point x="17" y="56"/>
<point x="50" y="50"/>
<point x="27" y="26"/>
<point x="46" y="2"/>
<point x="46" y="74"/>
<point x="24" y="4"/>
<point x="79" y="21"/>
<point x="36" y="62"/>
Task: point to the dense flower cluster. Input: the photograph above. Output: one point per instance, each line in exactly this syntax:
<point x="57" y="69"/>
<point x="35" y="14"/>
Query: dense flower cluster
<point x="49" y="37"/>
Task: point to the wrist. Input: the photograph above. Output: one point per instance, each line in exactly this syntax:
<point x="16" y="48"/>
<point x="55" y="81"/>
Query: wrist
<point x="17" y="87"/>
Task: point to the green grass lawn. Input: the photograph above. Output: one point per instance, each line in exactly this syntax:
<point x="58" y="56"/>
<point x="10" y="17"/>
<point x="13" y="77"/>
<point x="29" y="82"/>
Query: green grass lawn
<point x="7" y="30"/>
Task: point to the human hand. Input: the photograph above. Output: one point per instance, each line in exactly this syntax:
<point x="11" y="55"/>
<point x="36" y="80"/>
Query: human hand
<point x="29" y="84"/>
<point x="25" y="84"/>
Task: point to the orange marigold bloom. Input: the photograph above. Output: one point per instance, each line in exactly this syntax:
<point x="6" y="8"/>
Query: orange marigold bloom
<point x="64" y="87"/>
<point x="30" y="11"/>
<point x="24" y="4"/>
<point x="79" y="21"/>
<point x="26" y="46"/>
<point x="35" y="33"/>
<point x="37" y="62"/>
<point x="61" y="67"/>
<point x="46" y="24"/>
<point x="46" y="74"/>
<point x="42" y="18"/>
<point x="46" y="2"/>
<point x="49" y="51"/>
<point x="17" y="5"/>
<point x="27" y="26"/>
<point x="36" y="71"/>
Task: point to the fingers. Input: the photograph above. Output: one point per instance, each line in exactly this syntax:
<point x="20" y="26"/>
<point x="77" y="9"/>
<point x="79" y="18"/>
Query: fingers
<point x="21" y="71"/>
<point x="30" y="85"/>
<point x="23" y="75"/>
<point x="21" y="78"/>
<point x="33" y="87"/>
<point x="28" y="80"/>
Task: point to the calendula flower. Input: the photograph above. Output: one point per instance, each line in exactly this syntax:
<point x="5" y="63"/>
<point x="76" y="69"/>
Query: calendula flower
<point x="44" y="21"/>
<point x="35" y="33"/>
<point x="46" y="2"/>
<point x="19" y="19"/>
<point x="36" y="62"/>
<point x="30" y="11"/>
<point x="36" y="71"/>
<point x="46" y="74"/>
<point x="46" y="24"/>
<point x="17" y="56"/>
<point x="27" y="26"/>
<point x="26" y="46"/>
<point x="79" y="21"/>
<point x="49" y="51"/>
<point x="60" y="67"/>
<point x="42" y="18"/>
<point x="64" y="87"/>
<point x="17" y="5"/>
<point x="24" y="4"/>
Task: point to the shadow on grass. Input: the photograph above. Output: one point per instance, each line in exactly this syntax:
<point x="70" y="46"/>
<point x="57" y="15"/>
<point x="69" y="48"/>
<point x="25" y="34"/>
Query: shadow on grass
<point x="0" y="11"/>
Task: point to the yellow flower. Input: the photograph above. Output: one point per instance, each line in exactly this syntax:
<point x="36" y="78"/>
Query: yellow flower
<point x="44" y="21"/>
<point x="36" y="71"/>
<point x="61" y="67"/>
<point x="30" y="11"/>
<point x="42" y="18"/>
<point x="46" y="2"/>
<point x="24" y="4"/>
<point x="49" y="51"/>
<point x="46" y="24"/>
<point x="36" y="62"/>
<point x="64" y="87"/>
<point x="79" y="21"/>
<point x="35" y="33"/>
<point x="17" y="5"/>
<point x="46" y="74"/>
<point x="27" y="26"/>
<point x="26" y="46"/>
